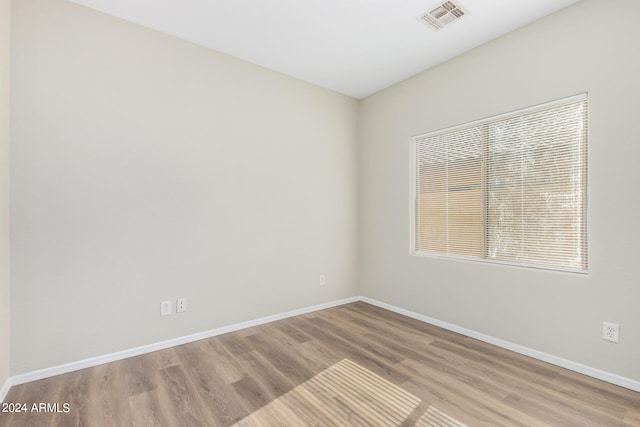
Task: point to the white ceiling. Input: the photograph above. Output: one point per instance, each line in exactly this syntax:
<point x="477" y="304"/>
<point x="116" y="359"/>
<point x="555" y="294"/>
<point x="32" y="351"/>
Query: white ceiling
<point x="355" y="47"/>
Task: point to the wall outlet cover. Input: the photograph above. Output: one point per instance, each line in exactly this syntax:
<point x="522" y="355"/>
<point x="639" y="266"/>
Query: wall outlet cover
<point x="181" y="305"/>
<point x="165" y="308"/>
<point x="611" y="332"/>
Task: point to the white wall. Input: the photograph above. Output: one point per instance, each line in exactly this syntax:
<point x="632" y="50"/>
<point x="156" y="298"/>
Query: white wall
<point x="5" y="65"/>
<point x="146" y="168"/>
<point x="581" y="48"/>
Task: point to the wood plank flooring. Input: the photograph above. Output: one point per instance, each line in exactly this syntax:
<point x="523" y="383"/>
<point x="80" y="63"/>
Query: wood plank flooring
<point x="355" y="364"/>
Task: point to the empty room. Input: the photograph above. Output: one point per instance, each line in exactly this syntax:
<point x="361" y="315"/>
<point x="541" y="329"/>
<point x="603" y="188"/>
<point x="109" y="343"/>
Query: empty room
<point x="319" y="213"/>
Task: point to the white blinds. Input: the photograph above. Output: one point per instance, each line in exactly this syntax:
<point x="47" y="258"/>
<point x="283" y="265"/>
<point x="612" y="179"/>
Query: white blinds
<point x="510" y="188"/>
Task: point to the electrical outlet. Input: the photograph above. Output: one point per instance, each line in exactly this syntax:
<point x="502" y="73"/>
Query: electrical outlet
<point x="323" y="279"/>
<point x="610" y="331"/>
<point x="165" y="308"/>
<point x="181" y="305"/>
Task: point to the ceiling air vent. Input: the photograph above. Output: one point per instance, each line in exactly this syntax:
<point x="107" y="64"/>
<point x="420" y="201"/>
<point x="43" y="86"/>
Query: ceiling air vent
<point x="442" y="14"/>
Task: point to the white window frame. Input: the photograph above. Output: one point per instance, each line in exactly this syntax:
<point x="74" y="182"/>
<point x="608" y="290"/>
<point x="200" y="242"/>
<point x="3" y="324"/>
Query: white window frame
<point x="413" y="190"/>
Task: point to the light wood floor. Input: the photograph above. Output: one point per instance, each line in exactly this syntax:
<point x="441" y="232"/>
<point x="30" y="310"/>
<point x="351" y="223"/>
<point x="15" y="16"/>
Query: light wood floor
<point x="351" y="365"/>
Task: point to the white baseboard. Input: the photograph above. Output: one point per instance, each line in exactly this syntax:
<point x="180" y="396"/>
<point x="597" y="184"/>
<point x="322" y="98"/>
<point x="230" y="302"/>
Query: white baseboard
<point x="99" y="360"/>
<point x="558" y="361"/>
<point x="5" y="389"/>
<point x="94" y="361"/>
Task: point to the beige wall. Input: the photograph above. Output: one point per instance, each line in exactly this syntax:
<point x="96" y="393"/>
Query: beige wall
<point x="570" y="52"/>
<point x="146" y="168"/>
<point x="5" y="29"/>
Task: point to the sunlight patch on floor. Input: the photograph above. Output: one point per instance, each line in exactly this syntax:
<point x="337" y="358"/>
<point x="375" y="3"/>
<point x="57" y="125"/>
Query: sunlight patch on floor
<point x="436" y="418"/>
<point x="345" y="394"/>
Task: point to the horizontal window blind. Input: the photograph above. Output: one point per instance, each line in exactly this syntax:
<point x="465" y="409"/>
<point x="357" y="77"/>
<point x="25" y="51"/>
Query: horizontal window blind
<point x="510" y="188"/>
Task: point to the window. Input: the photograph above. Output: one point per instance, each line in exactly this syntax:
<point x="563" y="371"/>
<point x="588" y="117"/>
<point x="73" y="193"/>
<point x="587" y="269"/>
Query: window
<point x="510" y="188"/>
